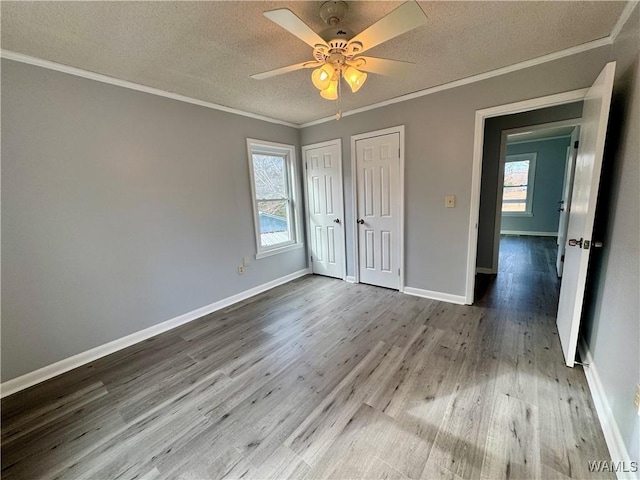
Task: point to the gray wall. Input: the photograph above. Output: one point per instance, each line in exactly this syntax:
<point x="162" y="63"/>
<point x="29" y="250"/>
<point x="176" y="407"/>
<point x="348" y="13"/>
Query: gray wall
<point x="611" y="325"/>
<point x="551" y="162"/>
<point x="120" y="210"/>
<point x="491" y="163"/>
<point x="439" y="132"/>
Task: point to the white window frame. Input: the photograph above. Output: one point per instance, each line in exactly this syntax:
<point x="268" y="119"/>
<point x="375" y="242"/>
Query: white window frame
<point x="531" y="157"/>
<point x="263" y="147"/>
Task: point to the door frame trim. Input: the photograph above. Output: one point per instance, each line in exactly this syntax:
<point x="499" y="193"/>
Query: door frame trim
<point x="343" y="244"/>
<point x="476" y="176"/>
<point x="399" y="129"/>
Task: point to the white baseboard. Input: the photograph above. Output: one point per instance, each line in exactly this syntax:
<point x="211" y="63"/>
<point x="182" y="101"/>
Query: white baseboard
<point x="350" y="279"/>
<point x="612" y="435"/>
<point x="528" y="234"/>
<point x="45" y="373"/>
<point x="443" y="297"/>
<point x="489" y="271"/>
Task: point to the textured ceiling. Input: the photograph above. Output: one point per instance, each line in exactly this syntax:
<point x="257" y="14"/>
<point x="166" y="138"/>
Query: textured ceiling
<point x="207" y="50"/>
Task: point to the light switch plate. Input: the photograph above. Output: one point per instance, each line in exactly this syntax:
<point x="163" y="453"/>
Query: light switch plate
<point x="245" y="261"/>
<point x="450" y="201"/>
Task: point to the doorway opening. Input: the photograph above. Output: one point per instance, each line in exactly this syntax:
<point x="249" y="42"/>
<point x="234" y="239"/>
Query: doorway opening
<point x="534" y="176"/>
<point x="590" y="149"/>
<point x="535" y="181"/>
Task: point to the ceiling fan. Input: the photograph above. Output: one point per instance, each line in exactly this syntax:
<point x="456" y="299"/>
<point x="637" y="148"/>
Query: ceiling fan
<point x="338" y="53"/>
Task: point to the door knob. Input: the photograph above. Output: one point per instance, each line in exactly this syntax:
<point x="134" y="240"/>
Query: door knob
<point x="360" y="221"/>
<point x="336" y="220"/>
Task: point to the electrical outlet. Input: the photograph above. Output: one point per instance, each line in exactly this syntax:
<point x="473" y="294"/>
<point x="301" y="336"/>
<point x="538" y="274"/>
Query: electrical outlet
<point x="636" y="399"/>
<point x="240" y="269"/>
<point x="245" y="261"/>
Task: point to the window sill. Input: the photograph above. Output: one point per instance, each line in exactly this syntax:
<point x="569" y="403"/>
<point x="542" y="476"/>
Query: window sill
<point x="276" y="251"/>
<point x="517" y="214"/>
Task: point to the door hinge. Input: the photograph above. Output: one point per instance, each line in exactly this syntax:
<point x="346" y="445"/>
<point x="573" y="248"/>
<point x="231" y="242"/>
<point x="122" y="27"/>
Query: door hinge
<point x="305" y="165"/>
<point x="576" y="143"/>
<point x="312" y="258"/>
<point x="398" y="272"/>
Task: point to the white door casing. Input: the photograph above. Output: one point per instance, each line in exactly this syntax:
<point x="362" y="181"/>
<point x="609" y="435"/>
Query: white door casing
<point x="325" y="208"/>
<point x="476" y="175"/>
<point x="378" y="212"/>
<point x="565" y="202"/>
<point x="595" y="116"/>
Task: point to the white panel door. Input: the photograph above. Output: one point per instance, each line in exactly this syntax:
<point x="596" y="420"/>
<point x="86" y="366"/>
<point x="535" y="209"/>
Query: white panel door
<point x="325" y="208"/>
<point x="595" y="115"/>
<point x="565" y="202"/>
<point x="378" y="210"/>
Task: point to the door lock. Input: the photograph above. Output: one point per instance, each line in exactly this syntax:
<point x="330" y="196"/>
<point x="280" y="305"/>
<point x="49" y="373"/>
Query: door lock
<point x="575" y="243"/>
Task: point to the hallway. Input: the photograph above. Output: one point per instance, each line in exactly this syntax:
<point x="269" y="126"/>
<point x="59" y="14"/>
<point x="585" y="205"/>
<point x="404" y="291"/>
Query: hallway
<point x="527" y="278"/>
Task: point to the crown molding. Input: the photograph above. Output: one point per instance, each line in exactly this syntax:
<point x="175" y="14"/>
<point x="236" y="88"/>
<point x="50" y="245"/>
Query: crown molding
<point x="626" y="13"/>
<point x="78" y="72"/>
<point x="624" y="16"/>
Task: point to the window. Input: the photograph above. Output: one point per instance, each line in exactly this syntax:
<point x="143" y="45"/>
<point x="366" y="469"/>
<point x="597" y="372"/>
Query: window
<point x="275" y="204"/>
<point x="517" y="190"/>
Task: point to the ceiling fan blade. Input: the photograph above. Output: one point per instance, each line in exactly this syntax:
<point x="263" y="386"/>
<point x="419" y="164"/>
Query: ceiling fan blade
<point x="406" y="17"/>
<point x="382" y="66"/>
<point x="280" y="71"/>
<point x="289" y="21"/>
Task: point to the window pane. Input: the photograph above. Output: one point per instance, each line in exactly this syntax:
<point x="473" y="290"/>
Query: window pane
<point x="511" y="194"/>
<point x="516" y="179"/>
<point x="514" y="207"/>
<point x="270" y="176"/>
<point x="516" y="173"/>
<point x="274" y="222"/>
<point x="514" y="199"/>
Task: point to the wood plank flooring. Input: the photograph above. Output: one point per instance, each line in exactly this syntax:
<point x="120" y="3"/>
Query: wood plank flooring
<point x="323" y="379"/>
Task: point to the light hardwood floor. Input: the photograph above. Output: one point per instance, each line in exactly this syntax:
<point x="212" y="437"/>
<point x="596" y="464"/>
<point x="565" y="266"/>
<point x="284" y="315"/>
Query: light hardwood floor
<point x="323" y="379"/>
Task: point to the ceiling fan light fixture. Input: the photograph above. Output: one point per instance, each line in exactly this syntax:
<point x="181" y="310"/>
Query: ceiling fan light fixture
<point x="331" y="92"/>
<point x="322" y="77"/>
<point x="354" y="77"/>
<point x="336" y="52"/>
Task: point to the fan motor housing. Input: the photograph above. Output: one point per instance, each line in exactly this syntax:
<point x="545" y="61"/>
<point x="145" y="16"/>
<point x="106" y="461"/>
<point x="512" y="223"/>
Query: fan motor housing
<point x="336" y="34"/>
<point x="337" y="39"/>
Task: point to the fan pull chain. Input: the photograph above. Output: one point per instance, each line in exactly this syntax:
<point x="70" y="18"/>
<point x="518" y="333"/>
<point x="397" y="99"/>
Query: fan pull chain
<point x="339" y="114"/>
